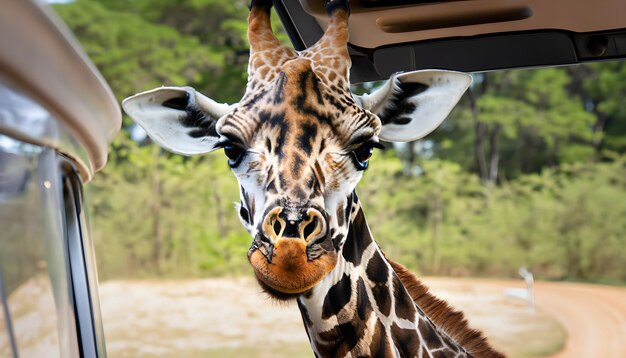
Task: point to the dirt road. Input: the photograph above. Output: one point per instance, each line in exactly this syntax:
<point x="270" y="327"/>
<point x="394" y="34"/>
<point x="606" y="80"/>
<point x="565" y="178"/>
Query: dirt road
<point x="594" y="317"/>
<point x="231" y="318"/>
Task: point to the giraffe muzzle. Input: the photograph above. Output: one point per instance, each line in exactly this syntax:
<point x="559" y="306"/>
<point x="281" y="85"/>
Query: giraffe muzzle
<point x="292" y="253"/>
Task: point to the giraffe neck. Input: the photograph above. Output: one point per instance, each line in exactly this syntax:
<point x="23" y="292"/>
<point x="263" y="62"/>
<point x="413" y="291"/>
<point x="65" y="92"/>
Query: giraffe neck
<point x="361" y="308"/>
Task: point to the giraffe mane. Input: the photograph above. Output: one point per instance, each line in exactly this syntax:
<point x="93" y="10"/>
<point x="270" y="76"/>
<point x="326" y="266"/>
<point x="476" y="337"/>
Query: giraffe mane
<point x="451" y="321"/>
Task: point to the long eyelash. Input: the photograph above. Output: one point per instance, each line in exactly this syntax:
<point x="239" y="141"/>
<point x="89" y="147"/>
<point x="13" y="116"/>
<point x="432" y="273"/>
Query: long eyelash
<point x="371" y="142"/>
<point x="228" y="138"/>
<point x="221" y="143"/>
<point x="376" y="144"/>
<point x="359" y="140"/>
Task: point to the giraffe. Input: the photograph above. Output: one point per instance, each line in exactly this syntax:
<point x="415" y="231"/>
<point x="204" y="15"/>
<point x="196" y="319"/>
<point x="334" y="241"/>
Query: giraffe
<point x="298" y="143"/>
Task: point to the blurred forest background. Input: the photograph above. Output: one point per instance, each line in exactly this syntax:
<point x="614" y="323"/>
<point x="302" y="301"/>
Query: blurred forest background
<point x="529" y="169"/>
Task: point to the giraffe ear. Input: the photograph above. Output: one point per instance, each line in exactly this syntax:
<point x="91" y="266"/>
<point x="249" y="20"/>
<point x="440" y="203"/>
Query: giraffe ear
<point x="413" y="104"/>
<point x="179" y="119"/>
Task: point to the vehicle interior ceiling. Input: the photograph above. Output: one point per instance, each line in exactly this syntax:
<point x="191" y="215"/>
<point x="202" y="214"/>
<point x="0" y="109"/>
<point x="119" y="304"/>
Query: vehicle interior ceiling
<point x="388" y="36"/>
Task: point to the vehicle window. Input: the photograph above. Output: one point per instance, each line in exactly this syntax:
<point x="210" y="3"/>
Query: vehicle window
<point x="36" y="285"/>
<point x="7" y="339"/>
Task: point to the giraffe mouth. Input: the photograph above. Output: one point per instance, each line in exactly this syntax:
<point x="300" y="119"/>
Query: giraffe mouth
<point x="289" y="268"/>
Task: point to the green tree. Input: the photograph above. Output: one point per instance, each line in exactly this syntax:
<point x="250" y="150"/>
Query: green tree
<point x="517" y="122"/>
<point x="158" y="214"/>
<point x="134" y="55"/>
<point x="606" y="87"/>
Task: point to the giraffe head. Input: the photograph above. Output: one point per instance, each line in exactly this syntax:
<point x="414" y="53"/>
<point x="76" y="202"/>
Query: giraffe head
<point x="298" y="142"/>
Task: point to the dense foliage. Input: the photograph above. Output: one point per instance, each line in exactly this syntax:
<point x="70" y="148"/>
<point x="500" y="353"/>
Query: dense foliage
<point x="529" y="170"/>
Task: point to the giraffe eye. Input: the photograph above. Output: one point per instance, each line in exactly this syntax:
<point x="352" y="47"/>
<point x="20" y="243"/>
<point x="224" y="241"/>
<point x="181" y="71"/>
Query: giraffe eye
<point x="234" y="154"/>
<point x="362" y="155"/>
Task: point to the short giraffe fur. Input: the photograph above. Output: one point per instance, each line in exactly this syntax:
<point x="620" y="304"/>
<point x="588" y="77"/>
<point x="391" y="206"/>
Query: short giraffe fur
<point x="298" y="143"/>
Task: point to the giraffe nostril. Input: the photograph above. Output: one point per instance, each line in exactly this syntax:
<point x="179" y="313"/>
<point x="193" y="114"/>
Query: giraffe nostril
<point x="314" y="227"/>
<point x="310" y="228"/>
<point x="277" y="227"/>
<point x="273" y="226"/>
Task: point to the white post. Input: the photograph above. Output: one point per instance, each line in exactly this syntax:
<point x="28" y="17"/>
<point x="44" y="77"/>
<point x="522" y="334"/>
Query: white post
<point x="528" y="277"/>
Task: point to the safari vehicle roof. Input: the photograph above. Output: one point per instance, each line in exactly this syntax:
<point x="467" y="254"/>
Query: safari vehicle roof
<point x="388" y="36"/>
<point x="40" y="58"/>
